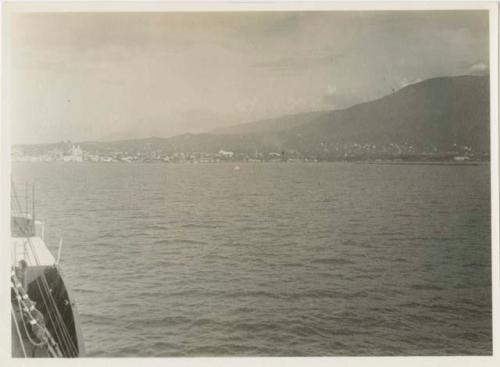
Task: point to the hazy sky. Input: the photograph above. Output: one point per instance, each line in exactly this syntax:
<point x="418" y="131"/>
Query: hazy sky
<point x="91" y="76"/>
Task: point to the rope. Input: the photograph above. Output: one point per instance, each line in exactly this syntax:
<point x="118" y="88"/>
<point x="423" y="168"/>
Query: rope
<point x="20" y="295"/>
<point x="18" y="332"/>
<point x="59" y="325"/>
<point x="70" y="347"/>
<point x="58" y="333"/>
<point x="34" y="343"/>
<point x="52" y="352"/>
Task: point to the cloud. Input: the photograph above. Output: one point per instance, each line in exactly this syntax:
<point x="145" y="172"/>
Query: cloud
<point x="479" y="68"/>
<point x="298" y="62"/>
<point x="406" y="82"/>
<point x="336" y="99"/>
<point x="243" y="66"/>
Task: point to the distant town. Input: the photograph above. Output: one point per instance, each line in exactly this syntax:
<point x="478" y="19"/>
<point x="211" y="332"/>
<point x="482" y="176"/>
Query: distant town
<point x="75" y="153"/>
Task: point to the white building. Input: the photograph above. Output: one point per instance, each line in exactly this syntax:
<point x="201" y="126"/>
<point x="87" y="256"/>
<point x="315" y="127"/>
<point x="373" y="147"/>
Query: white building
<point x="225" y="154"/>
<point x="75" y="156"/>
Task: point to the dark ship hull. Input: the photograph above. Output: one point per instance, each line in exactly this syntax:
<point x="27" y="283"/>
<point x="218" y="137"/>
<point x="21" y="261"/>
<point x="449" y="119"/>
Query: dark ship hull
<point x="44" y="316"/>
<point x="47" y="290"/>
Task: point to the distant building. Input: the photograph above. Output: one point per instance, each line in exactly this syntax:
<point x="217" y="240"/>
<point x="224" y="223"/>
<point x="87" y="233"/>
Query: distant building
<point x="225" y="154"/>
<point x="75" y="156"/>
<point x="106" y="159"/>
<point x="56" y="155"/>
<point x="93" y="157"/>
<point x="127" y="159"/>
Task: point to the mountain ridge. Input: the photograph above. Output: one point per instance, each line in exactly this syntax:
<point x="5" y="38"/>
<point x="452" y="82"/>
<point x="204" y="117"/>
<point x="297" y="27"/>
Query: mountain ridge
<point x="436" y="115"/>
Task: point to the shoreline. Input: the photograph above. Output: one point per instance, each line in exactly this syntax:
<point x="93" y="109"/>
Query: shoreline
<point x="389" y="163"/>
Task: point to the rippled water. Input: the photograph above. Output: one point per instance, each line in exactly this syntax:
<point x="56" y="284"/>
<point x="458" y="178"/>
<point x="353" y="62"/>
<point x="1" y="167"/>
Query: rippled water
<point x="273" y="259"/>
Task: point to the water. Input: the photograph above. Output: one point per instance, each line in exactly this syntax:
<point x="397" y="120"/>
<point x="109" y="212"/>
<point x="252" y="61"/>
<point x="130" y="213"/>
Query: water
<point x="273" y="259"/>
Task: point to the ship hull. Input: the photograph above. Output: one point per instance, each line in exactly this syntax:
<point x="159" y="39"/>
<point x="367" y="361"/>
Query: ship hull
<point x="47" y="289"/>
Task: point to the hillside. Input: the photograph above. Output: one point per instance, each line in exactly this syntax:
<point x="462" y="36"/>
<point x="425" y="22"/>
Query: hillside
<point x="270" y="125"/>
<point x="435" y="116"/>
<point x="432" y="115"/>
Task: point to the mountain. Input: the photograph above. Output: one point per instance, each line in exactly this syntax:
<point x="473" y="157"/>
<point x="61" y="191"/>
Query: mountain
<point x="435" y="116"/>
<point x="431" y="115"/>
<point x="270" y="125"/>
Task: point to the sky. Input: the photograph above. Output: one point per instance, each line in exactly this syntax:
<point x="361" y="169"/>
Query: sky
<point x="112" y="76"/>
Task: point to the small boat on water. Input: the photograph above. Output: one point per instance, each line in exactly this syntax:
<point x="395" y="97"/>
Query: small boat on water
<point x="44" y="315"/>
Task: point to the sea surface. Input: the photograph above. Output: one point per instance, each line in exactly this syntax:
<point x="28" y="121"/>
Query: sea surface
<point x="320" y="259"/>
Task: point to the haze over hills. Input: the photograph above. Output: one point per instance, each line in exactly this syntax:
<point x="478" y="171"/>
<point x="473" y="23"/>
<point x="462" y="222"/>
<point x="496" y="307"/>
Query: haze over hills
<point x="432" y="115"/>
<point x="435" y="116"/>
<point x="270" y="125"/>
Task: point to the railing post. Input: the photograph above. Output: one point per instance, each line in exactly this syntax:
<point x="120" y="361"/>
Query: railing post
<point x="33" y="198"/>
<point x="59" y="251"/>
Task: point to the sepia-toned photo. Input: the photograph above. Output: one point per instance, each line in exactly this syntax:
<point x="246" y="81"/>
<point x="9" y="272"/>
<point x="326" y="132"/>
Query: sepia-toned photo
<point x="285" y="182"/>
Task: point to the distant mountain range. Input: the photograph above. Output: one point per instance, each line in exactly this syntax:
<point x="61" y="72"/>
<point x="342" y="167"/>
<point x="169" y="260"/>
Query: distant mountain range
<point x="436" y="112"/>
<point x="437" y="115"/>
